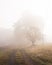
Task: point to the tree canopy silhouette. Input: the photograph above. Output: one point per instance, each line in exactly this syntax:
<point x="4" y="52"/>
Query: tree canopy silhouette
<point x="27" y="28"/>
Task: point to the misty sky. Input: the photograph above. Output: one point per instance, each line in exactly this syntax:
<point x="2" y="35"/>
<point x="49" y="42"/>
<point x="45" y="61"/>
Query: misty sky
<point x="11" y="11"/>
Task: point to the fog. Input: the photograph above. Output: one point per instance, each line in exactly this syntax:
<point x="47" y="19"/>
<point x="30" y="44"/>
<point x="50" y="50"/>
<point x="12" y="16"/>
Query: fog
<point x="27" y="31"/>
<point x="11" y="11"/>
<point x="5" y="35"/>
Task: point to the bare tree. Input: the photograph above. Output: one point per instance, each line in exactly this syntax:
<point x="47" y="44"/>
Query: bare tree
<point x="33" y="34"/>
<point x="25" y="27"/>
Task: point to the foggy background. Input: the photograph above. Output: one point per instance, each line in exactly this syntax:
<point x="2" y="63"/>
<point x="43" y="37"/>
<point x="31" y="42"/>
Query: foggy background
<point x="11" y="12"/>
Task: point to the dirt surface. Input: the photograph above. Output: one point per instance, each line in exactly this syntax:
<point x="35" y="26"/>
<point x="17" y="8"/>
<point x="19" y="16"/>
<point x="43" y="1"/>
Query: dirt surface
<point x="12" y="58"/>
<point x="25" y="57"/>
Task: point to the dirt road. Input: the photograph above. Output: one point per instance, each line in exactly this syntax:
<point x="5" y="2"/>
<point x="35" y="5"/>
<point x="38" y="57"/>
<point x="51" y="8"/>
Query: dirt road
<point x="12" y="58"/>
<point x="25" y="57"/>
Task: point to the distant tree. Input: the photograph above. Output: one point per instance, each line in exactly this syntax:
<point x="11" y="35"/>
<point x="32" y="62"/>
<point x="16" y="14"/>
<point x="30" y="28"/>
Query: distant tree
<point x="25" y="27"/>
<point x="34" y="34"/>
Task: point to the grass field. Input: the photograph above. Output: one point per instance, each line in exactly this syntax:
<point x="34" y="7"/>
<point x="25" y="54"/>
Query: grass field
<point x="29" y="56"/>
